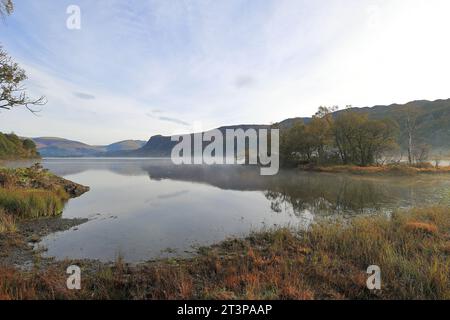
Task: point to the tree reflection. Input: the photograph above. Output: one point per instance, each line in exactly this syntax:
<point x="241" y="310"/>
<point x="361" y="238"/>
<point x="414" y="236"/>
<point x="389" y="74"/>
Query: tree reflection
<point x="323" y="195"/>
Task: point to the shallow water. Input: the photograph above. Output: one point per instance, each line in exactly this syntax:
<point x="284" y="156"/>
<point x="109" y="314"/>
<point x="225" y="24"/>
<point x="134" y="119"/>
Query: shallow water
<point x="144" y="209"/>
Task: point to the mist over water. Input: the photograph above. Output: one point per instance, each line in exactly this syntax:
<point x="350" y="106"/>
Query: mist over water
<point x="143" y="209"/>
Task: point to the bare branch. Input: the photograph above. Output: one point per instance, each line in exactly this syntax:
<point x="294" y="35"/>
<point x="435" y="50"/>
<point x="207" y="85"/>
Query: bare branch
<point x="12" y="91"/>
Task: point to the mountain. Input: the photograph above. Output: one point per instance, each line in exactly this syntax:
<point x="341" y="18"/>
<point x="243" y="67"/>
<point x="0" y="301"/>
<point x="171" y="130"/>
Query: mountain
<point x="157" y="146"/>
<point x="432" y="120"/>
<point x="125" y="145"/>
<point x="59" y="147"/>
<point x="161" y="146"/>
<point x="433" y="126"/>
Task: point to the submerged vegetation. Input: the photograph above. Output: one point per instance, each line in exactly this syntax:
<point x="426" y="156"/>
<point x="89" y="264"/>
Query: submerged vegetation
<point x="328" y="261"/>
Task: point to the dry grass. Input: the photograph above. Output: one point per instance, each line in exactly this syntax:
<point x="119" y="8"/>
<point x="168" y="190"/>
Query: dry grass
<point x="421" y="227"/>
<point x="7" y="222"/>
<point x="327" y="262"/>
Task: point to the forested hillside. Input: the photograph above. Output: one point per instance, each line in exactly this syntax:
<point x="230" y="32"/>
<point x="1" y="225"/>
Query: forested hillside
<point x="431" y="121"/>
<point x="13" y="147"/>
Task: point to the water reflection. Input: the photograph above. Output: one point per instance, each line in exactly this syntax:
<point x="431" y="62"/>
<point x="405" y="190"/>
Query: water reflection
<point x="141" y="207"/>
<point x="325" y="195"/>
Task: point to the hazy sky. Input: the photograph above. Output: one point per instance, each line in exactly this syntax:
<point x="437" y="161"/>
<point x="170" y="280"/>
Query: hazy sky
<point x="138" y="68"/>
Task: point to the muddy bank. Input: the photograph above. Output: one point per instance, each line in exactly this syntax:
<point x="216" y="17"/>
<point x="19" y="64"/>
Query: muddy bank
<point x="31" y="204"/>
<point x="18" y="249"/>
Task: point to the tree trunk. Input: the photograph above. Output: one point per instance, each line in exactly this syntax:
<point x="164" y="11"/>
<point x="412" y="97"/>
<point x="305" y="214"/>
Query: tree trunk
<point x="410" y="148"/>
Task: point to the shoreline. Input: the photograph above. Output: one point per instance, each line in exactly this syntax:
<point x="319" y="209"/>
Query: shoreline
<point x="31" y="204"/>
<point x="329" y="261"/>
<point x="399" y="169"/>
<point x="393" y="170"/>
<point x="18" y="248"/>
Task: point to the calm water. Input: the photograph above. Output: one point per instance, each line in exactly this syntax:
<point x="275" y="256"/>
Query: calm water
<point x="148" y="208"/>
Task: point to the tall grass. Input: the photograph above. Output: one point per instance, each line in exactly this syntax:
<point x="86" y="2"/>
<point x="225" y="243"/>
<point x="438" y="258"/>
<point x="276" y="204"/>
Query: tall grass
<point x="412" y="250"/>
<point x="7" y="222"/>
<point x="329" y="261"/>
<point x="32" y="203"/>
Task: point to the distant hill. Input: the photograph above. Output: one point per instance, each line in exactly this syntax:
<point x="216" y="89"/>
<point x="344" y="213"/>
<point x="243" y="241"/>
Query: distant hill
<point x="125" y="145"/>
<point x="12" y="147"/>
<point x="161" y="146"/>
<point x="433" y="128"/>
<point x="58" y="147"/>
<point x="433" y="120"/>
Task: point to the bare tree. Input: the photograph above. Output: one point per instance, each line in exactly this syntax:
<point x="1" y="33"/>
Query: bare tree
<point x="421" y="153"/>
<point x="437" y="159"/>
<point x="12" y="91"/>
<point x="411" y="115"/>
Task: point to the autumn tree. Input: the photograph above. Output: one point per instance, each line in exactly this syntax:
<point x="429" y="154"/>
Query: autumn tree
<point x="348" y="137"/>
<point x="320" y="131"/>
<point x="361" y="140"/>
<point x="345" y="133"/>
<point x="296" y="145"/>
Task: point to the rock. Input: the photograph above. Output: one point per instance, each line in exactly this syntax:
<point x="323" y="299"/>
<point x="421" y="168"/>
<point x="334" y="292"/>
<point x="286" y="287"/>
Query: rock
<point x="34" y="238"/>
<point x="74" y="189"/>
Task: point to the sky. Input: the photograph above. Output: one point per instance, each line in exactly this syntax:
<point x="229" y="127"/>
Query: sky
<point x="138" y="68"/>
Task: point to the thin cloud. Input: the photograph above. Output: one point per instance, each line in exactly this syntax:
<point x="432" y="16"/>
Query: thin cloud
<point x="213" y="61"/>
<point x="244" y="81"/>
<point x="166" y="119"/>
<point x="84" y="96"/>
<point x="174" y="120"/>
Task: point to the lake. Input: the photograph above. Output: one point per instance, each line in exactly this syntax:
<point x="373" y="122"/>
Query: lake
<point x="143" y="209"/>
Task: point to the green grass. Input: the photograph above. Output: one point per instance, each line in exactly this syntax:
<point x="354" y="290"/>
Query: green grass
<point x="28" y="193"/>
<point x="32" y="203"/>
